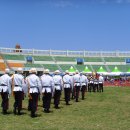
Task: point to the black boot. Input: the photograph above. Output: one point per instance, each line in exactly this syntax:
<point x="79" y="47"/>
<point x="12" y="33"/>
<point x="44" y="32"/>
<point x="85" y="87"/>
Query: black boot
<point x="19" y="113"/>
<point x="4" y="112"/>
<point x="56" y="106"/>
<point x="48" y="111"/>
<point x="82" y="97"/>
<point x="67" y="103"/>
<point x="33" y="114"/>
<point x="14" y="111"/>
<point x="77" y="100"/>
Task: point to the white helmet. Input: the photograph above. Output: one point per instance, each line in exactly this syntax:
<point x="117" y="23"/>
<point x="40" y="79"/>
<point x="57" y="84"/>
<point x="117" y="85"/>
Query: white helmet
<point x="7" y="70"/>
<point x="20" y="70"/>
<point x="33" y="70"/>
<point x="46" y="71"/>
<point x="57" y="72"/>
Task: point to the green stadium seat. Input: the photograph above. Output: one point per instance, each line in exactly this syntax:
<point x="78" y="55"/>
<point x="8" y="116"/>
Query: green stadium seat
<point x="42" y="58"/>
<point x="13" y="57"/>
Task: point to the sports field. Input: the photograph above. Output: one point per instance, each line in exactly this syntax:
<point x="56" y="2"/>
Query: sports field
<point x="109" y="110"/>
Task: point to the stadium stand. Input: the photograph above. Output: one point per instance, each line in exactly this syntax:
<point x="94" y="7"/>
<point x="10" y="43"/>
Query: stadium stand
<point x="33" y="65"/>
<point x="96" y="67"/>
<point x="13" y="57"/>
<point x="63" y="60"/>
<point x="2" y="66"/>
<point x="42" y="58"/>
<point x="81" y="67"/>
<point x="92" y="59"/>
<point x="122" y="68"/>
<point x="1" y="57"/>
<point x="15" y="65"/>
<point x="115" y="59"/>
<point x="65" y="67"/>
<point x="60" y="58"/>
<point x="51" y="67"/>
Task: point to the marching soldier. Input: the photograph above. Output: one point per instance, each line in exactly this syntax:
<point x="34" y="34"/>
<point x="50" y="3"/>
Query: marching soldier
<point x="58" y="84"/>
<point x="95" y="86"/>
<point x="34" y="87"/>
<point x="67" y="86"/>
<point x="91" y="84"/>
<point x="84" y="83"/>
<point x="77" y="84"/>
<point x="29" y="99"/>
<point x="17" y="87"/>
<point x="88" y="87"/>
<point x="47" y="90"/>
<point x="5" y="90"/>
<point x="73" y="90"/>
<point x="101" y="81"/>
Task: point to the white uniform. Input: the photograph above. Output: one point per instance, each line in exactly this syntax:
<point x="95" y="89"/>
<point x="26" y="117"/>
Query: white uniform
<point x="18" y="82"/>
<point x="84" y="80"/>
<point x="101" y="79"/>
<point x="58" y="82"/>
<point x="5" y="83"/>
<point x="72" y="81"/>
<point x="77" y="80"/>
<point x="47" y="83"/>
<point x="67" y="81"/>
<point x="34" y="83"/>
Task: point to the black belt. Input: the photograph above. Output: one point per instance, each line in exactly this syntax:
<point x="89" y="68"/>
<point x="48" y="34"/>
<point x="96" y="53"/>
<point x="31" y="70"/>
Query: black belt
<point x="33" y="87"/>
<point x="3" y="85"/>
<point x="57" y="84"/>
<point x="17" y="86"/>
<point x="66" y="83"/>
<point x="46" y="86"/>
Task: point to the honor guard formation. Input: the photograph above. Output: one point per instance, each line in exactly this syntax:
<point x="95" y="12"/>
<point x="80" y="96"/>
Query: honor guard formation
<point x="46" y="86"/>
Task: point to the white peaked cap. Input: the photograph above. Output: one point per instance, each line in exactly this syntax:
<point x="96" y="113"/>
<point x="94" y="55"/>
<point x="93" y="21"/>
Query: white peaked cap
<point x="57" y="72"/>
<point x="33" y="70"/>
<point x="71" y="74"/>
<point x="46" y="71"/>
<point x="20" y="70"/>
<point x="7" y="70"/>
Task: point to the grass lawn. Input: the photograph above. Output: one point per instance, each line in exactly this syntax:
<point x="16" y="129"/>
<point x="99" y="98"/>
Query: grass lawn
<point x="109" y="110"/>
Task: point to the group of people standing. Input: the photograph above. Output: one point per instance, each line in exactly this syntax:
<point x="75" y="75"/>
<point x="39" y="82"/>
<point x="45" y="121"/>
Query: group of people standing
<point x="46" y="85"/>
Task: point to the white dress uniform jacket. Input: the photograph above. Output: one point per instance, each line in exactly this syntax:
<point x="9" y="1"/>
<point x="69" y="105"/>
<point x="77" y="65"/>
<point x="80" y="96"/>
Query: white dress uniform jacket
<point x="58" y="82"/>
<point x="84" y="80"/>
<point x="18" y="82"/>
<point x="67" y="81"/>
<point x="72" y="81"/>
<point x="101" y="79"/>
<point x="47" y="83"/>
<point x="5" y="83"/>
<point x="77" y="80"/>
<point x="34" y="84"/>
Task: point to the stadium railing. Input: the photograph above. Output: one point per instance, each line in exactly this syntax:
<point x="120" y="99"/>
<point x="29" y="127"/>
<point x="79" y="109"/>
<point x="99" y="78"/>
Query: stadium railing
<point x="68" y="53"/>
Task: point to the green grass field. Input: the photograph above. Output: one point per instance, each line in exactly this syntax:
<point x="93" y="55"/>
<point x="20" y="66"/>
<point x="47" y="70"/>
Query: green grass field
<point x="109" y="110"/>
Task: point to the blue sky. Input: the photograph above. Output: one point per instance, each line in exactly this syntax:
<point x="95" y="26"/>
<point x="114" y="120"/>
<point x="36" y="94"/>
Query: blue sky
<point x="94" y="25"/>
